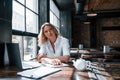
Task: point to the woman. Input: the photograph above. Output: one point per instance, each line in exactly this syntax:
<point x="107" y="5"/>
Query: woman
<point x="54" y="49"/>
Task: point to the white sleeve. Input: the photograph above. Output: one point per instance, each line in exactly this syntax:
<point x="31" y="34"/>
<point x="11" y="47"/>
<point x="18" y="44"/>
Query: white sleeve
<point x="66" y="47"/>
<point x="42" y="49"/>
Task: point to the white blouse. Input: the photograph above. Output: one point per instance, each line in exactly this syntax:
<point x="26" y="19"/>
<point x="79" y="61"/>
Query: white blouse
<point x="62" y="47"/>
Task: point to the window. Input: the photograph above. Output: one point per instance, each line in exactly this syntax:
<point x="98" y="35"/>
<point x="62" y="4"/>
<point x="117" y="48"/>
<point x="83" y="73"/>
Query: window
<point x="54" y="14"/>
<point x="25" y="27"/>
<point x="31" y="22"/>
<point x="18" y="20"/>
<point x="27" y="46"/>
<point x="32" y="4"/>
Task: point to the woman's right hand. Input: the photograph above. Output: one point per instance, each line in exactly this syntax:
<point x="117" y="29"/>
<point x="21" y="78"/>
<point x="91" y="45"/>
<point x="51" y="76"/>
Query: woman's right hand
<point x="39" y="56"/>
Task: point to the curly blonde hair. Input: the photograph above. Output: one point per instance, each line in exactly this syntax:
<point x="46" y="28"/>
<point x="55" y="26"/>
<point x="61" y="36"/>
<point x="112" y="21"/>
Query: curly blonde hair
<point x="41" y="37"/>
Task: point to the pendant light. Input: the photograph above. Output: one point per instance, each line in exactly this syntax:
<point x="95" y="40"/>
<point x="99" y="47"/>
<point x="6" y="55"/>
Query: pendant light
<point x="91" y="12"/>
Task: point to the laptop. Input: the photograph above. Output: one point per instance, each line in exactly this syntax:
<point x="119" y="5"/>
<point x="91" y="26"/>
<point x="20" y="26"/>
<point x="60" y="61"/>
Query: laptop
<point x="15" y="60"/>
<point x="39" y="72"/>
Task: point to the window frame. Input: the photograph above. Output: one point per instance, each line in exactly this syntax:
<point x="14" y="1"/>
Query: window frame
<point x="55" y="15"/>
<point x="25" y="33"/>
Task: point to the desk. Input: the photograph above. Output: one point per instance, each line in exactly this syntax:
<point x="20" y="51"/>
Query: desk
<point x="9" y="73"/>
<point x="67" y="73"/>
<point x="87" y="75"/>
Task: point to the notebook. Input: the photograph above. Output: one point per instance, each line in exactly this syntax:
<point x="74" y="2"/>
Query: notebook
<point x="30" y="64"/>
<point x="15" y="60"/>
<point x="39" y="72"/>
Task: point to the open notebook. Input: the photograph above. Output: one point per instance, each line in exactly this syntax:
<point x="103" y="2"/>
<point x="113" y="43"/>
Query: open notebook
<point x="30" y="64"/>
<point x="15" y="60"/>
<point x="39" y="72"/>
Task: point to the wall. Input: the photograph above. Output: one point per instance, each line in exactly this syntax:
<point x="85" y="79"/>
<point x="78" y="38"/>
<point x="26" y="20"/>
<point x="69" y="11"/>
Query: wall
<point x="108" y="31"/>
<point x="65" y="27"/>
<point x="80" y="34"/>
<point x="5" y="21"/>
<point x="5" y="28"/>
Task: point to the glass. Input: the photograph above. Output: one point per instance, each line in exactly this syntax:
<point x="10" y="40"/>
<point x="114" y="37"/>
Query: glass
<point x="57" y="23"/>
<point x="18" y="20"/>
<point x="31" y="22"/>
<point x="30" y="47"/>
<point x="54" y="20"/>
<point x="51" y="17"/>
<point x="54" y="9"/>
<point x="80" y="46"/>
<point x="27" y="45"/>
<point x="18" y="39"/>
<point x="54" y="14"/>
<point x="32" y="4"/>
<point x="21" y="1"/>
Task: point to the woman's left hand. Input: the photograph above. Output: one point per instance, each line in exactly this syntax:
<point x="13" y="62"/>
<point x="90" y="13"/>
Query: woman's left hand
<point x="51" y="61"/>
<point x="55" y="62"/>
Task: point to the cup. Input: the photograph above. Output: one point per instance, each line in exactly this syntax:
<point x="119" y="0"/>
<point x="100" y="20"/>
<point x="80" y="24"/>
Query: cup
<point x="80" y="46"/>
<point x="106" y="49"/>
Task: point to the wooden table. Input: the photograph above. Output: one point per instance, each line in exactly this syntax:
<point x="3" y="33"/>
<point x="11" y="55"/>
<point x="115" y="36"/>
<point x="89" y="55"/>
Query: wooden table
<point x="90" y="75"/>
<point x="67" y="73"/>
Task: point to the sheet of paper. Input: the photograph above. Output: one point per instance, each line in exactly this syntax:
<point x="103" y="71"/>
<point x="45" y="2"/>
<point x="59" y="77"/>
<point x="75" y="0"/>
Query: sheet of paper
<point x="32" y="63"/>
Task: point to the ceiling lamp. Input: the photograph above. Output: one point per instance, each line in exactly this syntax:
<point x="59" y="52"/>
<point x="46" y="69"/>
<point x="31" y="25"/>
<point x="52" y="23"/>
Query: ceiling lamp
<point x="91" y="12"/>
<point x="87" y="22"/>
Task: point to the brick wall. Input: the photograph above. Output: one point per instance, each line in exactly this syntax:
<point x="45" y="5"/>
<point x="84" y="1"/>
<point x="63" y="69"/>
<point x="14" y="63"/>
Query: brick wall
<point x="104" y="33"/>
<point x="80" y="34"/>
<point x="108" y="32"/>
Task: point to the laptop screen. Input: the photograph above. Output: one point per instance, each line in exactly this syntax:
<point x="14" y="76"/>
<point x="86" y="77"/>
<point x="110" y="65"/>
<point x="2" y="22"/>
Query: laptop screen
<point x="14" y="55"/>
<point x="2" y="47"/>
